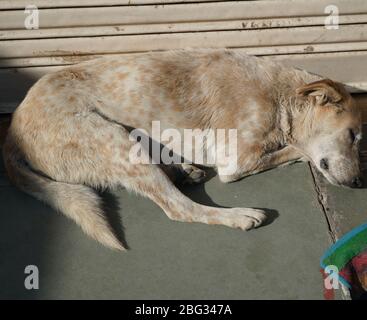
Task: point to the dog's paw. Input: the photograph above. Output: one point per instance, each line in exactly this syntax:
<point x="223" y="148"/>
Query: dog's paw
<point x="193" y="175"/>
<point x="244" y="218"/>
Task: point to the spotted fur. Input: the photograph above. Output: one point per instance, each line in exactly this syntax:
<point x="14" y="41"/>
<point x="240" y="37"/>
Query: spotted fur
<point x="70" y="135"/>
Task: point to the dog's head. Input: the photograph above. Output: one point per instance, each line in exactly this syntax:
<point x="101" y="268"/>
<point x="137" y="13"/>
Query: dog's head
<point x="332" y="130"/>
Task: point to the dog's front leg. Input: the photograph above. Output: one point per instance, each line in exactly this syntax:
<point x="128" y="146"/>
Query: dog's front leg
<point x="250" y="166"/>
<point x="282" y="157"/>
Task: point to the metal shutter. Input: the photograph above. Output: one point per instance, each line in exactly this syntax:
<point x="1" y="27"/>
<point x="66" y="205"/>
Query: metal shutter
<point x="76" y="30"/>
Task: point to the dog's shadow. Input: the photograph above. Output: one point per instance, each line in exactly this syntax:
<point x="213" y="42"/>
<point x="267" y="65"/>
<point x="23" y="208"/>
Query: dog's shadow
<point x="111" y="207"/>
<point x="196" y="193"/>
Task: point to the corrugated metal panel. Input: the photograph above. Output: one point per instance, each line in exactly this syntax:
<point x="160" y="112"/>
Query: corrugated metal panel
<point x="76" y="30"/>
<point x="308" y="36"/>
<point x="151" y="28"/>
<point x="217" y="11"/>
<point x="20" y="4"/>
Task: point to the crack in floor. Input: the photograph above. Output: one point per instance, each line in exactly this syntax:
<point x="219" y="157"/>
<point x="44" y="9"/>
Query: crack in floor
<point x="322" y="200"/>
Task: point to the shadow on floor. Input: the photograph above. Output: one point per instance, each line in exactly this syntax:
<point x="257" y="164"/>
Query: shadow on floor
<point x="198" y="194"/>
<point x="23" y="236"/>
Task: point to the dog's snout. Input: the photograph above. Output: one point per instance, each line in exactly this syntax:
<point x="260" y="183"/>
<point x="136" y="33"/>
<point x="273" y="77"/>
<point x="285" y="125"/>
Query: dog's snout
<point x="357" y="182"/>
<point x="324" y="164"/>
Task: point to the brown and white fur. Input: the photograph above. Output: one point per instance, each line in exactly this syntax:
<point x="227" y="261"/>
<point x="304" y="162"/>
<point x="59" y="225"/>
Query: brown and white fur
<point x="70" y="135"/>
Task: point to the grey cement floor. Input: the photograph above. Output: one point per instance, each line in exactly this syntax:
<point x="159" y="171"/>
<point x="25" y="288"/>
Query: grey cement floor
<point x="172" y="260"/>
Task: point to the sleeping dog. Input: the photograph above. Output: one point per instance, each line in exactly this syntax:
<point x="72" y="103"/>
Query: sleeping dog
<point x="72" y="132"/>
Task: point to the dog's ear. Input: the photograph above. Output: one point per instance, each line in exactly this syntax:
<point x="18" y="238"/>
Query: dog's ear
<point x="323" y="90"/>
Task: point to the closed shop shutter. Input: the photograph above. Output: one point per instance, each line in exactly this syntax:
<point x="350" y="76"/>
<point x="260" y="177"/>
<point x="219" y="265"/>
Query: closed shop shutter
<point x="71" y="31"/>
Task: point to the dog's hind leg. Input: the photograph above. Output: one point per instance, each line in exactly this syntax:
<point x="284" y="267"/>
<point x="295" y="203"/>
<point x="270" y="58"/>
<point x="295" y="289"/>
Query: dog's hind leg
<point x="150" y="181"/>
<point x="99" y="157"/>
<point x="116" y="167"/>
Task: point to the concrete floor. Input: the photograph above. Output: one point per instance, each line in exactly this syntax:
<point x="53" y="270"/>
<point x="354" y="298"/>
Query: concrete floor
<point x="172" y="260"/>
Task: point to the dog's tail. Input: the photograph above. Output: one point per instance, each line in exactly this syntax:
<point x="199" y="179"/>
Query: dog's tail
<point x="78" y="202"/>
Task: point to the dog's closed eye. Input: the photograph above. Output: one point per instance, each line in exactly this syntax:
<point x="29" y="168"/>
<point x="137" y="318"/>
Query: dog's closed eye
<point x="352" y="136"/>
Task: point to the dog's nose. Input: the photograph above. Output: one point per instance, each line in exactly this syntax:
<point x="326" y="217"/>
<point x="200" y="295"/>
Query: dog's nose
<point x="357" y="182"/>
<point x="324" y="164"/>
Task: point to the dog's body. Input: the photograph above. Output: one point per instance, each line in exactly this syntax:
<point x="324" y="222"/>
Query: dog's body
<point x="70" y="134"/>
